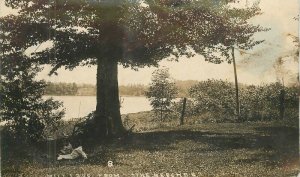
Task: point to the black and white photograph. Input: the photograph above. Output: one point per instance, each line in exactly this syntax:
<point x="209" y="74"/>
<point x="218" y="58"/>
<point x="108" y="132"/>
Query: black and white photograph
<point x="149" y="88"/>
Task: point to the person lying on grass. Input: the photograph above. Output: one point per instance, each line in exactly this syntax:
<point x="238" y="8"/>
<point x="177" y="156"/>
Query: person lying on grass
<point x="68" y="153"/>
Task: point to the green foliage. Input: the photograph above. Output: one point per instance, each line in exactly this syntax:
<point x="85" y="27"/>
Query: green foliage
<point x="265" y="102"/>
<point x="132" y="90"/>
<point x="190" y="110"/>
<point x="83" y="130"/>
<point x="29" y="116"/>
<point x="90" y="90"/>
<point x="108" y="33"/>
<point x="161" y="92"/>
<point x="237" y="33"/>
<point x="125" y="31"/>
<point x="124" y="90"/>
<point x="61" y="88"/>
<point x="184" y="86"/>
<point x="215" y="99"/>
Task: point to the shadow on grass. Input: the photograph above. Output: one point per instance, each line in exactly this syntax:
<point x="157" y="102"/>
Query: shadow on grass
<point x="280" y="142"/>
<point x="277" y="145"/>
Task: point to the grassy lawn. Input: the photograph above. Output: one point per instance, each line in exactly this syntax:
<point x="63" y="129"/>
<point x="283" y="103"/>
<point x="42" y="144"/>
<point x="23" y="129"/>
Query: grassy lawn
<point x="203" y="149"/>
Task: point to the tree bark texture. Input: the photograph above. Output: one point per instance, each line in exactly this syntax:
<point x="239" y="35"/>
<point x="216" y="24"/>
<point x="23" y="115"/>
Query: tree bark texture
<point x="107" y="117"/>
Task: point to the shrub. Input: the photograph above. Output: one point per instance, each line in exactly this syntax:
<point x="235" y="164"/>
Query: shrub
<point x="216" y="99"/>
<point x="28" y="116"/>
<point x="265" y="102"/>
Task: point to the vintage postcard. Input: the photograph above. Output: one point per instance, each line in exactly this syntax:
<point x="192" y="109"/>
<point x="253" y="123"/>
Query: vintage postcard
<point x="149" y="88"/>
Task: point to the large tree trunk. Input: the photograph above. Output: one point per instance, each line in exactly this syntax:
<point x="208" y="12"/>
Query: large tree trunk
<point x="107" y="117"/>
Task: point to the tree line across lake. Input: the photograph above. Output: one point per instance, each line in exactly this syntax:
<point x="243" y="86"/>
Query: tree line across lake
<point x="73" y="89"/>
<point x="212" y="96"/>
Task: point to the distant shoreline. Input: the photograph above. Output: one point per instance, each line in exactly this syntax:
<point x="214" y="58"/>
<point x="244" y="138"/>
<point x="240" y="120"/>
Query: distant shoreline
<point x="95" y="95"/>
<point x="138" y="90"/>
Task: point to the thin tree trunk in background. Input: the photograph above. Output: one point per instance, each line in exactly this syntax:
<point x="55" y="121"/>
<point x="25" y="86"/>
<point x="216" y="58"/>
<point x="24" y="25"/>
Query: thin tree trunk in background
<point x="281" y="101"/>
<point x="183" y="111"/>
<point x="282" y="106"/>
<point x="236" y="85"/>
<point x="161" y="110"/>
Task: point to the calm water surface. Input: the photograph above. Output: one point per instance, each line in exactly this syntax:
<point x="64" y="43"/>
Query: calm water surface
<point x="79" y="106"/>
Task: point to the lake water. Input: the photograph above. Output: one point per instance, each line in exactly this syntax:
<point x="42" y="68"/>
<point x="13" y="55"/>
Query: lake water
<point x="79" y="106"/>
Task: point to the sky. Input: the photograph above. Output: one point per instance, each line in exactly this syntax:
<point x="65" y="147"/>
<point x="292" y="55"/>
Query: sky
<point x="255" y="67"/>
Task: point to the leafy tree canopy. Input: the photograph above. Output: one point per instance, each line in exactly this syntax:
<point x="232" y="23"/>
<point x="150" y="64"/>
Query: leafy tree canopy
<point x="134" y="33"/>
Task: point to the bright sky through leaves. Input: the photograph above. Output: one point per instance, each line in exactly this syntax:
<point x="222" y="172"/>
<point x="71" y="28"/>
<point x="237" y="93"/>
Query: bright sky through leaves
<point x="254" y="67"/>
